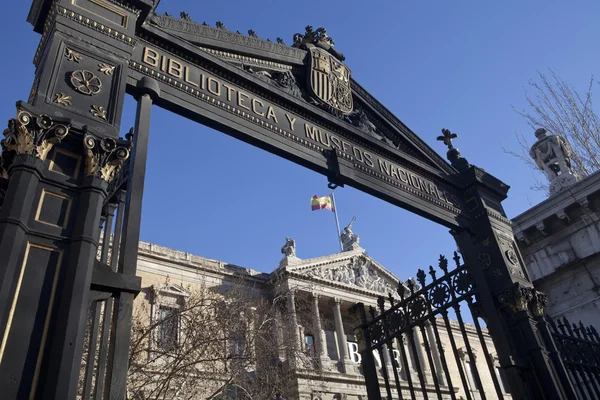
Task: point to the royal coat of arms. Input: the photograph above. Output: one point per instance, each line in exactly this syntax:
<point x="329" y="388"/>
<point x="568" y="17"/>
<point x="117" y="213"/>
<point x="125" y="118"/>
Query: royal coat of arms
<point x="330" y="80"/>
<point x="329" y="77"/>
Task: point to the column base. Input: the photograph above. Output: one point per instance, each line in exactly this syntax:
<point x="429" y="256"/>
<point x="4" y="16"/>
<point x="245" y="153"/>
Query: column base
<point x="348" y="367"/>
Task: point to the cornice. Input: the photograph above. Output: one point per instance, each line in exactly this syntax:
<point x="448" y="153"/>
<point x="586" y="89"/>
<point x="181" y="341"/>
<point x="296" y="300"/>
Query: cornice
<point x="225" y="38"/>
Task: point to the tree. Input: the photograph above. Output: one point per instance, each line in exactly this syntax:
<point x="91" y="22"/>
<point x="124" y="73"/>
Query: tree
<point x="218" y="343"/>
<point x="558" y="107"/>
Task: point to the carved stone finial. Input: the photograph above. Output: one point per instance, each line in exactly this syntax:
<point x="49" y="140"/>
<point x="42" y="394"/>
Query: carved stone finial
<point x="280" y="40"/>
<point x="104" y="157"/>
<point x="552" y="154"/>
<point x="32" y="135"/>
<point x="185" y="16"/>
<point x="251" y="33"/>
<point x="349" y="239"/>
<point x="453" y="154"/>
<point x="220" y="25"/>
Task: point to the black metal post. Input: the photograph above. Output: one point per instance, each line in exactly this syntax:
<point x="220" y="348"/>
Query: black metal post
<point x="148" y="90"/>
<point x="367" y="357"/>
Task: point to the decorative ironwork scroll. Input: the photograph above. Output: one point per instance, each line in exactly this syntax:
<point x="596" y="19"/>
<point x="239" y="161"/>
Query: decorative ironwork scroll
<point x="413" y="328"/>
<point x="579" y="348"/>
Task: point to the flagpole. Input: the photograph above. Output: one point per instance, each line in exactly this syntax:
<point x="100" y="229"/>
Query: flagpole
<point x="337" y="223"/>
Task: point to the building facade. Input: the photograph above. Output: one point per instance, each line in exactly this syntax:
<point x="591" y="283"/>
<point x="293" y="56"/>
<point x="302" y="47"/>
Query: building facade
<point x="560" y="237"/>
<point x="314" y="317"/>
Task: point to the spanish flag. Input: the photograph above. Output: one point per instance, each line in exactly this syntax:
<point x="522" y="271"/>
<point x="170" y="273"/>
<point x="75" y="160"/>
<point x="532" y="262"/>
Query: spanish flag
<point x="319" y="203"/>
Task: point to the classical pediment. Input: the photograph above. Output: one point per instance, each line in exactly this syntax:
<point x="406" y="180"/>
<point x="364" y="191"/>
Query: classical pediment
<point x="358" y="271"/>
<point x="170" y="290"/>
<point x="288" y="69"/>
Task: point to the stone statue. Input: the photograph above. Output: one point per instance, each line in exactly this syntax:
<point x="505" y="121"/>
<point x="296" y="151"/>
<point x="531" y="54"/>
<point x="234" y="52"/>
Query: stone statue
<point x="363" y="275"/>
<point x="289" y="248"/>
<point x="349" y="239"/>
<point x="552" y="154"/>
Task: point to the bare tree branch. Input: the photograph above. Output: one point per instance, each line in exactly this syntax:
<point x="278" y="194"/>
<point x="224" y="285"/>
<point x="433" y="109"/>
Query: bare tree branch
<point x="558" y="107"/>
<point x="226" y="342"/>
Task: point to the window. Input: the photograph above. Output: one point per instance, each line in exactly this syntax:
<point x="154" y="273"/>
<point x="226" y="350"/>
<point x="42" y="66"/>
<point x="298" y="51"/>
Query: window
<point x="309" y="344"/>
<point x="470" y="376"/>
<point x="168" y="327"/>
<point x="499" y="375"/>
<point x="238" y="346"/>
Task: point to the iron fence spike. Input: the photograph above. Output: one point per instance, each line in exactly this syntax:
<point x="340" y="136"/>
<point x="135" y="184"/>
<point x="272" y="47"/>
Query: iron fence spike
<point x="432" y="272"/>
<point x="421" y="277"/>
<point x="456" y="259"/>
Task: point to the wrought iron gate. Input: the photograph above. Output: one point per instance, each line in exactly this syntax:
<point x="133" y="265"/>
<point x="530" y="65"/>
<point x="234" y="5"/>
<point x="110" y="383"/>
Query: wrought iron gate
<point x="423" y="313"/>
<point x="579" y="348"/>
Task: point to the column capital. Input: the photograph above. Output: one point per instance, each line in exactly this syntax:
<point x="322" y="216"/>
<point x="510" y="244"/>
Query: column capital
<point x="104" y="157"/>
<point x="31" y="133"/>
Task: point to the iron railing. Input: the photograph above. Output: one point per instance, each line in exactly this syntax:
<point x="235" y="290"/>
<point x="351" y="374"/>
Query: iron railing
<point x="417" y="312"/>
<point x="579" y="349"/>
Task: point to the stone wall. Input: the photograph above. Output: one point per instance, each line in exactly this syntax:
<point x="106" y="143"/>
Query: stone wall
<point x="560" y="243"/>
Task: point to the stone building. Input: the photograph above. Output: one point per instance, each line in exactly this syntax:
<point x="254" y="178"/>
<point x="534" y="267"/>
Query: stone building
<point x="560" y="237"/>
<point x="329" y="285"/>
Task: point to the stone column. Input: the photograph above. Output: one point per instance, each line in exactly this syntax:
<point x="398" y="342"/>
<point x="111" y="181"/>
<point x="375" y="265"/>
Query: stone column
<point x="344" y="358"/>
<point x="435" y="354"/>
<point x="422" y="356"/>
<point x="279" y="333"/>
<point x="320" y="343"/>
<point x="409" y="359"/>
<point x="252" y="331"/>
<point x="291" y="305"/>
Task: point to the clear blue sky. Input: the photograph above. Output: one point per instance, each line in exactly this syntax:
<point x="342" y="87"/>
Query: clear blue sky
<point x="435" y="64"/>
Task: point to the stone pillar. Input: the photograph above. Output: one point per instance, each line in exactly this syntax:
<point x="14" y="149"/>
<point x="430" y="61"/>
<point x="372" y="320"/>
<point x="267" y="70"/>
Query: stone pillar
<point x="409" y="359"/>
<point x="422" y="356"/>
<point x="435" y="354"/>
<point x="344" y="358"/>
<point x="291" y="305"/>
<point x="279" y="333"/>
<point x="320" y="343"/>
<point x="252" y="331"/>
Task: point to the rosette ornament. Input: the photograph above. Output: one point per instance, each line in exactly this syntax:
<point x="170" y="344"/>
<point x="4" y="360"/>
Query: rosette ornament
<point x="104" y="157"/>
<point x="32" y="135"/>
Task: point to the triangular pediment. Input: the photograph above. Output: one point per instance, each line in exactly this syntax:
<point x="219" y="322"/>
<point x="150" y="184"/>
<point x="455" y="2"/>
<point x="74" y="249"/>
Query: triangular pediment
<point x="285" y="68"/>
<point x="353" y="269"/>
<point x="170" y="290"/>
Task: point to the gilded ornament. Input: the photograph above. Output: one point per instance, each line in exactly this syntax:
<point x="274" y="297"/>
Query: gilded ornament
<point x="86" y="82"/>
<point x="32" y="135"/>
<point x="104" y="157"/>
<point x="98" y="111"/>
<point x="63" y="99"/>
<point x="106" y="68"/>
<point x="72" y="55"/>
